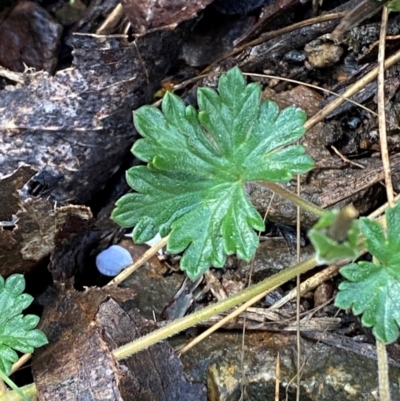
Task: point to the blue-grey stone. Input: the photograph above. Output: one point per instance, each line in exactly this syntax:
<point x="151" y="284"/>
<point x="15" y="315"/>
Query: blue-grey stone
<point x="112" y="260"/>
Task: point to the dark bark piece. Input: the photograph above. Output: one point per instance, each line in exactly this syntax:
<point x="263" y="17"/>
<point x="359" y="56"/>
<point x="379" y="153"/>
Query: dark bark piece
<point x="6" y="3"/>
<point x="272" y="10"/>
<point x="356" y="182"/>
<point x="33" y="236"/>
<point x="30" y="230"/>
<point x="366" y="93"/>
<point x="84" y="371"/>
<point x="9" y="187"/>
<point x="214" y="36"/>
<point x="77" y="364"/>
<point x="145" y="15"/>
<point x="239" y="6"/>
<point x="96" y="11"/>
<point x="68" y="311"/>
<point x="72" y="242"/>
<point x="82" y="329"/>
<point x="347" y="343"/>
<point x="30" y="36"/>
<point x="155" y="373"/>
<point x="75" y="128"/>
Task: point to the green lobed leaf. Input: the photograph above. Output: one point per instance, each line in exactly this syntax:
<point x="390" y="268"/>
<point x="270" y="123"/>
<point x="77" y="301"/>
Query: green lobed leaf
<point x="393" y="237"/>
<point x="7" y="357"/>
<point x="198" y="162"/>
<point x="17" y="332"/>
<point x="373" y="289"/>
<point x="375" y="239"/>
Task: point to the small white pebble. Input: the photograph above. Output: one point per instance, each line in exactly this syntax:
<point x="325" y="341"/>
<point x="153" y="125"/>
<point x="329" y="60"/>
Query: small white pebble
<point x="112" y="260"/>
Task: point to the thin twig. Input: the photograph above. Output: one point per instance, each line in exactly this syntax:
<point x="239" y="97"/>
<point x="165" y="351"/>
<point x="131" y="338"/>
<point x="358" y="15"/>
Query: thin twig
<point x="298" y="341"/>
<point x="12" y="75"/>
<point x="297" y="200"/>
<point x="381" y="108"/>
<point x="347" y="160"/>
<point x="277" y="376"/>
<point x="111" y="21"/>
<point x="319" y="88"/>
<point x="21" y="362"/>
<point x="383" y="369"/>
<point x="142" y="260"/>
<point x="379" y="212"/>
<point x="366" y="79"/>
<point x="308" y="285"/>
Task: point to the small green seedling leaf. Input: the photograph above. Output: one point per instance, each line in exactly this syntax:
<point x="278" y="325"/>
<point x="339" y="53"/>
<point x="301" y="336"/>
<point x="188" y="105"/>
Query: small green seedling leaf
<point x="335" y="235"/>
<point x="374" y="288"/>
<point x="17" y="332"/>
<point x="198" y="163"/>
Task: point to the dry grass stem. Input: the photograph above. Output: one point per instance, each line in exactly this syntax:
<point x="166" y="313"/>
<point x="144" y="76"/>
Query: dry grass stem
<point x="381" y="109"/>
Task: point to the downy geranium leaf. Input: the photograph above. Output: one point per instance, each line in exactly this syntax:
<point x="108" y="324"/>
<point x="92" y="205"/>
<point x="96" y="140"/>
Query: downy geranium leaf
<point x="198" y="162"/>
<point x="373" y="289"/>
<point x="17" y="332"/>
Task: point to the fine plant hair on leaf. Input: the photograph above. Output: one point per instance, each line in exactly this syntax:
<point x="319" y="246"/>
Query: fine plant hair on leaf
<point x="373" y="288"/>
<point x="17" y="332"/>
<point x="197" y="164"/>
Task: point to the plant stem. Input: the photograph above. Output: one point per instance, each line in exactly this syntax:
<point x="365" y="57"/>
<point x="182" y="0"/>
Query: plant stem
<point x="383" y="372"/>
<point x="295" y="199"/>
<point x="19" y="393"/>
<point x="184" y="323"/>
